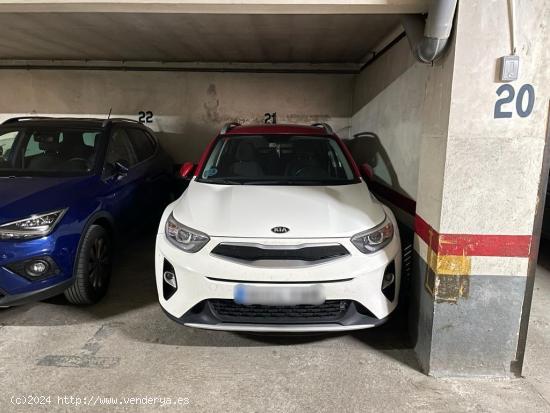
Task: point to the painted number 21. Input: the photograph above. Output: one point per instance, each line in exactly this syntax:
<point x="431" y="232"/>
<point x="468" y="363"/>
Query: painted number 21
<point x="525" y="93"/>
<point x="270" y="117"/>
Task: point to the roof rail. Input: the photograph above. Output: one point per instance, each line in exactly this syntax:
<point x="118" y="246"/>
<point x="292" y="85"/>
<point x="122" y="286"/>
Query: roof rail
<point x="325" y="126"/>
<point x="18" y="118"/>
<point x="107" y="121"/>
<point x="228" y="126"/>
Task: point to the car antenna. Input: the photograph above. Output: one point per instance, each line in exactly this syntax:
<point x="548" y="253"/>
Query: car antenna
<point x="109" y="115"/>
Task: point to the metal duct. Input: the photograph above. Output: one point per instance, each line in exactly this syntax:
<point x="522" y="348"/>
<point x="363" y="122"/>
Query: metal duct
<point x="429" y="36"/>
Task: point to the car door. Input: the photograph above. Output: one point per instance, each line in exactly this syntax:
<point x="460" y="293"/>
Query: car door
<point x="122" y="187"/>
<point x="154" y="185"/>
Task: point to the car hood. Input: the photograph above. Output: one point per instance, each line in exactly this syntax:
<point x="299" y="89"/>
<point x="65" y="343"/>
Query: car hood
<point x="252" y="211"/>
<point x="21" y="197"/>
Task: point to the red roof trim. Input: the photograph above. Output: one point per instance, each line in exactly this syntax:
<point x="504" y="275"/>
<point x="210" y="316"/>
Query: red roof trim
<point x="205" y="155"/>
<point x="277" y="129"/>
<point x="348" y="156"/>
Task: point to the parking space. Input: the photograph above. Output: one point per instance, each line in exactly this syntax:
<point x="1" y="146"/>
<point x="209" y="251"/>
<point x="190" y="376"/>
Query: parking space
<point x="126" y="347"/>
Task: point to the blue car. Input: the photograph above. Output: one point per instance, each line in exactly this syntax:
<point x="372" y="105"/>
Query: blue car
<point x="68" y="189"/>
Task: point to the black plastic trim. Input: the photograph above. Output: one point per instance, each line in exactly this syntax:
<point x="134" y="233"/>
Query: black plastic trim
<point x="389" y="291"/>
<point x="202" y="313"/>
<point x="305" y="253"/>
<point x="37" y="295"/>
<point x="20" y="267"/>
<point x="225" y="280"/>
<point x="167" y="290"/>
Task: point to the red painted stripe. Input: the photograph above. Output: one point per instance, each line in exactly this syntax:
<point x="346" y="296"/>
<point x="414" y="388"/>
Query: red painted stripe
<point x="456" y="244"/>
<point x="485" y="245"/>
<point x="429" y="235"/>
<point x="473" y="244"/>
<point x="399" y="200"/>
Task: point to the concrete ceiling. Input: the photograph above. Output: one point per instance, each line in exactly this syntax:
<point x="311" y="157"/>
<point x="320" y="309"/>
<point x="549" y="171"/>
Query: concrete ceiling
<point x="182" y="37"/>
<point x="219" y="6"/>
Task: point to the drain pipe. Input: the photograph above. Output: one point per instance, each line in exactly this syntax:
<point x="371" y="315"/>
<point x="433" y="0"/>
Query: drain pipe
<point x="428" y="37"/>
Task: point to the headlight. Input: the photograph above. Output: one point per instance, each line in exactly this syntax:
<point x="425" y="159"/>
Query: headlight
<point x="31" y="227"/>
<point x="374" y="239"/>
<point x="185" y="238"/>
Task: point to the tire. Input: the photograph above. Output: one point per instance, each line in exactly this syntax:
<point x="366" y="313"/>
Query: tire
<point x="92" y="267"/>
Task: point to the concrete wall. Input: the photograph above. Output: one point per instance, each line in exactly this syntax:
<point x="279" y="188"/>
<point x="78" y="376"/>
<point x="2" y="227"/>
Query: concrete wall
<point x="189" y="107"/>
<point x="478" y="192"/>
<point x="388" y="101"/>
<point x="434" y="137"/>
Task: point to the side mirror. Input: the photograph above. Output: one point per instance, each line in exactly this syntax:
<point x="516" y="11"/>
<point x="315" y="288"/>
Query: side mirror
<point x="366" y="171"/>
<point x="187" y="170"/>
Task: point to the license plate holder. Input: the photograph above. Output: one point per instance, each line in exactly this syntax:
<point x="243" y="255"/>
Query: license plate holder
<point x="247" y="294"/>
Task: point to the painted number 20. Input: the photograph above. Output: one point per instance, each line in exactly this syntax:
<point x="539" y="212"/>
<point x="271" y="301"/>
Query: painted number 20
<point x="526" y="92"/>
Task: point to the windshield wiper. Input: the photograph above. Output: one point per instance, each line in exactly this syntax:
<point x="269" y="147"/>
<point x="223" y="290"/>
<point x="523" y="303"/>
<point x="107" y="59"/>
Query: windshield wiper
<point x="298" y="182"/>
<point x="222" y="181"/>
<point x="283" y="182"/>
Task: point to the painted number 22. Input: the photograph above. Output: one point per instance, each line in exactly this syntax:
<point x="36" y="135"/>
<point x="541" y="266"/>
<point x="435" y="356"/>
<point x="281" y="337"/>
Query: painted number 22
<point x="526" y="92"/>
<point x="145" y="117"/>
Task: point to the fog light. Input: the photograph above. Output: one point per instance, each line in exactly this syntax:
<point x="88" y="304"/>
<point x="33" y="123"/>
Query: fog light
<point x="170" y="283"/>
<point x="170" y="279"/>
<point x="388" y="280"/>
<point x="37" y="268"/>
<point x="388" y="286"/>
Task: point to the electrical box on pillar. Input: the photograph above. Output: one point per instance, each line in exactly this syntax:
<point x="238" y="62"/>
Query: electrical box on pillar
<point x="509" y="68"/>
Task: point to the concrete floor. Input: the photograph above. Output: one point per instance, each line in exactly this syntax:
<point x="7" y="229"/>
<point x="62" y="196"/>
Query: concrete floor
<point x="126" y="347"/>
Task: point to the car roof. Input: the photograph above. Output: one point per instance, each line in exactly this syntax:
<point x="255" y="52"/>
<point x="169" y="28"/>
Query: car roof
<point x="277" y="129"/>
<point x="68" y="122"/>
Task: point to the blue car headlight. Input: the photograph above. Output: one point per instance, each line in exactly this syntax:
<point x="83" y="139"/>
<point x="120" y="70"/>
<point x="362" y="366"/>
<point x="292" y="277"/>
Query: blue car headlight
<point x="185" y="238"/>
<point x="34" y="226"/>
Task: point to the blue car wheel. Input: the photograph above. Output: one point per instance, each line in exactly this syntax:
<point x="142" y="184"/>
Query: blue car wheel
<point x="93" y="267"/>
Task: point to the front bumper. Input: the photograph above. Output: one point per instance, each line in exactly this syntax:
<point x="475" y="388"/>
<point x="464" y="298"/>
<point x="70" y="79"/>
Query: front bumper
<point x="204" y="315"/>
<point x="34" y="295"/>
<point x="18" y="289"/>
<point x="202" y="276"/>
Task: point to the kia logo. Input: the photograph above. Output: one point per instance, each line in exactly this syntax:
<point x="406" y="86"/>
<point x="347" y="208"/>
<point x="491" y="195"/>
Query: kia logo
<point x="279" y="230"/>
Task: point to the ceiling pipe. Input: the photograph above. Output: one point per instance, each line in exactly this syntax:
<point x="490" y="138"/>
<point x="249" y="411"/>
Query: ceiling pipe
<point x="429" y="36"/>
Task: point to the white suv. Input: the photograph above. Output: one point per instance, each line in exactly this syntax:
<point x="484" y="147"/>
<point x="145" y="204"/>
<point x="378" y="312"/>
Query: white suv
<point x="277" y="231"/>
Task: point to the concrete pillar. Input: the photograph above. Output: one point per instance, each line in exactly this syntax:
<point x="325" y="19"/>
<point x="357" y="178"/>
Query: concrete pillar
<point x="477" y="191"/>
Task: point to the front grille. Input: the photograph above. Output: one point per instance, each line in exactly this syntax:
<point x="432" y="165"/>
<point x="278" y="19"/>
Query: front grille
<point x="256" y="252"/>
<point x="229" y="311"/>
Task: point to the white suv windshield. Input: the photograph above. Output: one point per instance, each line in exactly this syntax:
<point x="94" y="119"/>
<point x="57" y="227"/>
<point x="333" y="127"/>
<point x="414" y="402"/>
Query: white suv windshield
<point x="277" y="160"/>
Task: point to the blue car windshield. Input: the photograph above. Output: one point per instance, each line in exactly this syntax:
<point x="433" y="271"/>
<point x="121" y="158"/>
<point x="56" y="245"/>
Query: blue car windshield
<point x="277" y="160"/>
<point x="47" y="151"/>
